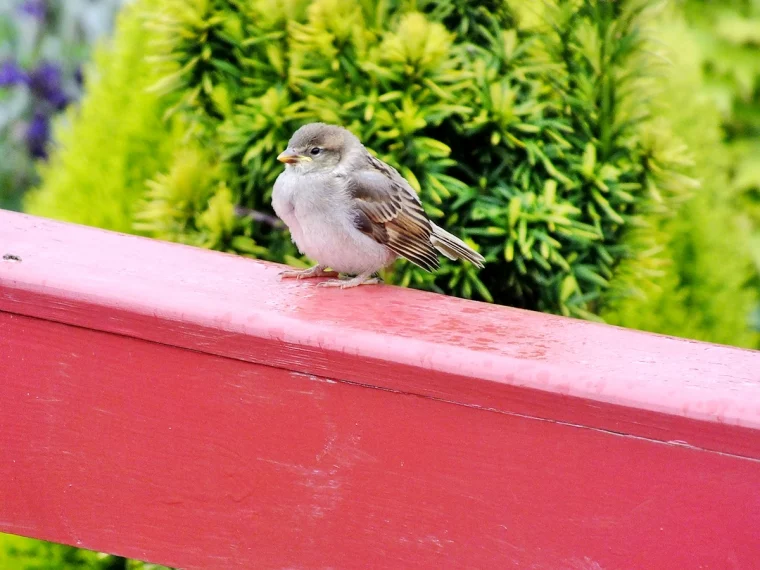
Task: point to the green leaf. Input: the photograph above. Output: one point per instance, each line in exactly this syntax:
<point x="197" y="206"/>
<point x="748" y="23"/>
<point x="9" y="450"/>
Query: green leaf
<point x="514" y="211"/>
<point x="568" y="288"/>
<point x="589" y="160"/>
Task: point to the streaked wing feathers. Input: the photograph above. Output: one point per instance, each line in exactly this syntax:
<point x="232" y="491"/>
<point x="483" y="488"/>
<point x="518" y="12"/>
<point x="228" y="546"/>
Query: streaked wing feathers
<point x="389" y="211"/>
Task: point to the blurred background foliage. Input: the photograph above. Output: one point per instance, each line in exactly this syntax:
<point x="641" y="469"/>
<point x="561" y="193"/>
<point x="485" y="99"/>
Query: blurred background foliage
<point x="42" y="47"/>
<point x="727" y="34"/>
<point x="727" y="37"/>
<point x="602" y="155"/>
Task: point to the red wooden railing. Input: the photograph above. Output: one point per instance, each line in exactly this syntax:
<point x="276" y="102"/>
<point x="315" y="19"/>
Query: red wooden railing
<point x="185" y="407"/>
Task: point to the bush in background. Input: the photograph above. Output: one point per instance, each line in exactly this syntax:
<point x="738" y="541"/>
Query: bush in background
<point x="726" y="37"/>
<point x="709" y="285"/>
<point x="727" y="40"/>
<point x="536" y="129"/>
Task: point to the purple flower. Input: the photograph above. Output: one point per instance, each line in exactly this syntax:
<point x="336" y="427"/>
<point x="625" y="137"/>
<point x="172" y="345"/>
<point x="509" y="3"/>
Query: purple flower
<point x="37" y="135"/>
<point x="79" y="75"/>
<point x="45" y="82"/>
<point x="11" y="74"/>
<point x="35" y="8"/>
<point x="59" y="100"/>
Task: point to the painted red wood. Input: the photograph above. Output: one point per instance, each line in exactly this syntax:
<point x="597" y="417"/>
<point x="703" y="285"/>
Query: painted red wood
<point x="185" y="407"/>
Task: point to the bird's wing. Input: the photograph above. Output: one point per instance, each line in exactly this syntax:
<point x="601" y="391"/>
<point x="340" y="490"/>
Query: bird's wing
<point x="388" y="210"/>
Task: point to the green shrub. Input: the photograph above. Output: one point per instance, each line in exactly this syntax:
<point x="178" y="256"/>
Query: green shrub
<point x="708" y="285"/>
<point x="727" y="41"/>
<point x="527" y="127"/>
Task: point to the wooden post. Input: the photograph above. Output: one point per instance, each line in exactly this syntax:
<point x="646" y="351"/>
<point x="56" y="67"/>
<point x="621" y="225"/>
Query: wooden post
<point x="185" y="407"/>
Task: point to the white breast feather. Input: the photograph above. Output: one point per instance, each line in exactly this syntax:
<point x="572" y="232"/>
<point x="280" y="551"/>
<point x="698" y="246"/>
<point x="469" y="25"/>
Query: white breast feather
<point x="319" y="217"/>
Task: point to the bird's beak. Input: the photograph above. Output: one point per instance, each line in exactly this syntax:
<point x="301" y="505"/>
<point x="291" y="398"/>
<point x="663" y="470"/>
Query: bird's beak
<point x="290" y="157"/>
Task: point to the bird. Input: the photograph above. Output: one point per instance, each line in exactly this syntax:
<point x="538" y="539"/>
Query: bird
<point x="353" y="213"/>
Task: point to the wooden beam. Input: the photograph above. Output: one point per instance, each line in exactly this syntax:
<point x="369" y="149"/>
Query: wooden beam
<point x="185" y="407"/>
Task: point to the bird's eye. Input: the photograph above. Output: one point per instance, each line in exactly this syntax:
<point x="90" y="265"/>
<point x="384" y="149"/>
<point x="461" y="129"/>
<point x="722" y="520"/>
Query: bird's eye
<point x="315" y="151"/>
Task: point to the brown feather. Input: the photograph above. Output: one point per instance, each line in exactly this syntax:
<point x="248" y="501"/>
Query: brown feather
<point x="367" y="226"/>
<point x="394" y="212"/>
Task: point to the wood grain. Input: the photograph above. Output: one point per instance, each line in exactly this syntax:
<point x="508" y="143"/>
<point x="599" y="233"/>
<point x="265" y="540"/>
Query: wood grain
<point x="185" y="407"/>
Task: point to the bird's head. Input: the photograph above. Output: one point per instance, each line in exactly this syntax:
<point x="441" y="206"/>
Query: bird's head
<point x="317" y="147"/>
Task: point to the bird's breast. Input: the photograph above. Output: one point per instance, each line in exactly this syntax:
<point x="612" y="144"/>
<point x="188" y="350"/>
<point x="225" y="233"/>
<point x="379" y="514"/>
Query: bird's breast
<point x="319" y="213"/>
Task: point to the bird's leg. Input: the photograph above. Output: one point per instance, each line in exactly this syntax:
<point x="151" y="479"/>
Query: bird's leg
<point x="362" y="279"/>
<point x="316" y="271"/>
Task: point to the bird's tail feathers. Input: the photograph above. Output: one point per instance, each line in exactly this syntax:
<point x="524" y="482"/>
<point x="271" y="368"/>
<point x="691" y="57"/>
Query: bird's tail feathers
<point x="453" y="247"/>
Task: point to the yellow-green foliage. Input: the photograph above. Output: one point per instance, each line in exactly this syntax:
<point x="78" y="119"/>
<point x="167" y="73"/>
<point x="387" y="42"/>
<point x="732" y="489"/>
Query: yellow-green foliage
<point x="190" y="204"/>
<point x="705" y="290"/>
<point x="110" y="145"/>
<point x="727" y="40"/>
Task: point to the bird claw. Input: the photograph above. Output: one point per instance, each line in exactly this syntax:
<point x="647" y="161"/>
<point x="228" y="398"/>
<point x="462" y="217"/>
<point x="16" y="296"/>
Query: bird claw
<point x="348" y="283"/>
<point x="316" y="271"/>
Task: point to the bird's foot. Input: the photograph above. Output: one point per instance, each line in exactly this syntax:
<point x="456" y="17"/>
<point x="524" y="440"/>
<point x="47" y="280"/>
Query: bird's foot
<point x="364" y="279"/>
<point x="316" y="271"/>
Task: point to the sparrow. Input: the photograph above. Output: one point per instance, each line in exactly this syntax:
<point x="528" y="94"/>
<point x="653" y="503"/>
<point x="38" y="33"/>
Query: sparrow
<point x="353" y="213"/>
